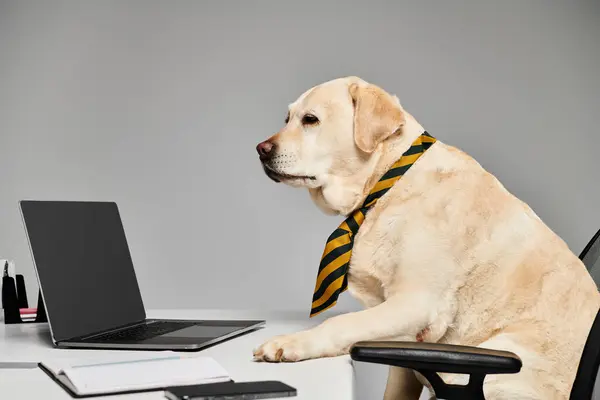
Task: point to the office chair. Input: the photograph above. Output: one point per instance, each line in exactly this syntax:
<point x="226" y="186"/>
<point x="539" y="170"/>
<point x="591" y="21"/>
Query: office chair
<point x="431" y="358"/>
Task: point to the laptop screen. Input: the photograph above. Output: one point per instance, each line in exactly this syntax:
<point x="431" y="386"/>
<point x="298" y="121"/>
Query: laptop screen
<point x="84" y="266"/>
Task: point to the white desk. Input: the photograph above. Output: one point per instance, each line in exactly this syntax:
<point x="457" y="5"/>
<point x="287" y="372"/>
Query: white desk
<point x="331" y="379"/>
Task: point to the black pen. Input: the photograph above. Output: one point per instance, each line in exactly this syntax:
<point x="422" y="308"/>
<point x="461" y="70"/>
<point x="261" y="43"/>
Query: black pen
<point x="5" y="269"/>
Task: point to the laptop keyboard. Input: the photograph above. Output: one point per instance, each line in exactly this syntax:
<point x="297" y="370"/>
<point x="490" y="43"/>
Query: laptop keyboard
<point x="143" y="331"/>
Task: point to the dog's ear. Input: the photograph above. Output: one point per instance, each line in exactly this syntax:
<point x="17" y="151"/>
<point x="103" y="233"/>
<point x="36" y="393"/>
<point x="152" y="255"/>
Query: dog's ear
<point x="377" y="115"/>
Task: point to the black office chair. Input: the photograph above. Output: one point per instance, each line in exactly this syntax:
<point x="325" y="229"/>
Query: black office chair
<point x="431" y="358"/>
<point x="591" y="257"/>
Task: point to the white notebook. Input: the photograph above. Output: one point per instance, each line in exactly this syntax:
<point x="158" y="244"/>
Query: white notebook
<point x="89" y="378"/>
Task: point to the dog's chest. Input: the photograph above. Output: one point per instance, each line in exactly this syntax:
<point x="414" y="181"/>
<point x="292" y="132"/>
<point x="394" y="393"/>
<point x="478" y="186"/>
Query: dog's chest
<point x="371" y="272"/>
<point x="376" y="256"/>
<point x="396" y="230"/>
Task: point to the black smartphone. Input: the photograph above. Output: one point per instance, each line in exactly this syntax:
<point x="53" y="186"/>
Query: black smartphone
<point x="232" y="391"/>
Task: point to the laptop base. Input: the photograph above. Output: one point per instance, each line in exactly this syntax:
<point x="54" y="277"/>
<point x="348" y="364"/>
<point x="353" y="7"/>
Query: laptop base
<point x="176" y="340"/>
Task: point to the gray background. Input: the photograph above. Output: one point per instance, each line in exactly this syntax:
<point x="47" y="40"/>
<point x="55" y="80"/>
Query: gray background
<point x="159" y="105"/>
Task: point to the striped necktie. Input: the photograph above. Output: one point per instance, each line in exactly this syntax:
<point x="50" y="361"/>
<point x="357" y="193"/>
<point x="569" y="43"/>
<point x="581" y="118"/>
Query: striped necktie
<point x="332" y="278"/>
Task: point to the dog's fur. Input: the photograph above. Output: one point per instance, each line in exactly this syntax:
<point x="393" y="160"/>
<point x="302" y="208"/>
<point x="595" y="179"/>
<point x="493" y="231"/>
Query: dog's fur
<point x="448" y="255"/>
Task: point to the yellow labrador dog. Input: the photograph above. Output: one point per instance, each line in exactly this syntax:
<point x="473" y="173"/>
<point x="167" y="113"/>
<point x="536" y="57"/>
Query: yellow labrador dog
<point x="446" y="255"/>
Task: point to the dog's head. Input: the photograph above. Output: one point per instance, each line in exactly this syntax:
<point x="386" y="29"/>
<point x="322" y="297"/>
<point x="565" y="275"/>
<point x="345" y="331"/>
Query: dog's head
<point x="331" y="133"/>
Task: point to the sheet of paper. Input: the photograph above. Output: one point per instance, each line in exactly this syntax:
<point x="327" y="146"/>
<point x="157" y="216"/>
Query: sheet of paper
<point x="144" y="374"/>
<point x="64" y="361"/>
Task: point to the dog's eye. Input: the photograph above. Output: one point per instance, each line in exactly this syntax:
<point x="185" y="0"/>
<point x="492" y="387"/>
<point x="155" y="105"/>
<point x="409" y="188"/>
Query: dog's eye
<point x="310" y="119"/>
<point x="287" y="118"/>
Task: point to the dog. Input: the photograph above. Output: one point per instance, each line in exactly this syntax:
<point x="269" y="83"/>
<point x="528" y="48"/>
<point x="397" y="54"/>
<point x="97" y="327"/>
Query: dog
<point x="447" y="255"/>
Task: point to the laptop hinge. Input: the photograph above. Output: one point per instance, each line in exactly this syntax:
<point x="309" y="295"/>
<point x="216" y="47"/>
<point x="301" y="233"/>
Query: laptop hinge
<point x="119" y="328"/>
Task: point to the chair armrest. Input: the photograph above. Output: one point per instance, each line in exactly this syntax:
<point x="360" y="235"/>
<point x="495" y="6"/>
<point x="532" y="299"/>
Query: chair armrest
<point x="437" y="357"/>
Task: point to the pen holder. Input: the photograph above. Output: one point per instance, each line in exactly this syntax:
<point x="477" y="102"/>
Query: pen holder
<point x="13" y="301"/>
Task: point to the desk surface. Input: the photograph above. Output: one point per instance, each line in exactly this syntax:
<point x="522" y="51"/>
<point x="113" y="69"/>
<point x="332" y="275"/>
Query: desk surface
<point x="331" y="378"/>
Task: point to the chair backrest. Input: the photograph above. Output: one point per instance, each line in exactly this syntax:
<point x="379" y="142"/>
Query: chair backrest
<point x="583" y="386"/>
<point x="591" y="257"/>
<point x="587" y="372"/>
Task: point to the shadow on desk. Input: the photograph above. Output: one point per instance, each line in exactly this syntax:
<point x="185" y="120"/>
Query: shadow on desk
<point x="43" y="335"/>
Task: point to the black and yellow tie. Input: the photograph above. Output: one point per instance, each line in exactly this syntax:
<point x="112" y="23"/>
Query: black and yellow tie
<point x="332" y="278"/>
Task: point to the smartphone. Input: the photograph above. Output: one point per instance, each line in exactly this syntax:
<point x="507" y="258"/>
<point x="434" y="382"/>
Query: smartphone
<point x="232" y="391"/>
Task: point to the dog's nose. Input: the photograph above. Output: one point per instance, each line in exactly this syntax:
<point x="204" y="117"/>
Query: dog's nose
<point x="265" y="150"/>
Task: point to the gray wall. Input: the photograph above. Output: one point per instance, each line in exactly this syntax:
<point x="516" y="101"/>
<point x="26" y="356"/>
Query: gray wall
<point x="158" y="106"/>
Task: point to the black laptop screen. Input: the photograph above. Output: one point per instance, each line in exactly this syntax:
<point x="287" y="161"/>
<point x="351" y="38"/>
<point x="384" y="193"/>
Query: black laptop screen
<point x="83" y="265"/>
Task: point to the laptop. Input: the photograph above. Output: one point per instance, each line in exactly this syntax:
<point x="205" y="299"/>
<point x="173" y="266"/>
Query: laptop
<point x="89" y="287"/>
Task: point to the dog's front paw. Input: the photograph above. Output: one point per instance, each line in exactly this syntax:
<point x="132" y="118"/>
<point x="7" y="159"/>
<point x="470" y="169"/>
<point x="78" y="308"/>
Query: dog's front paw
<point x="286" y="348"/>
